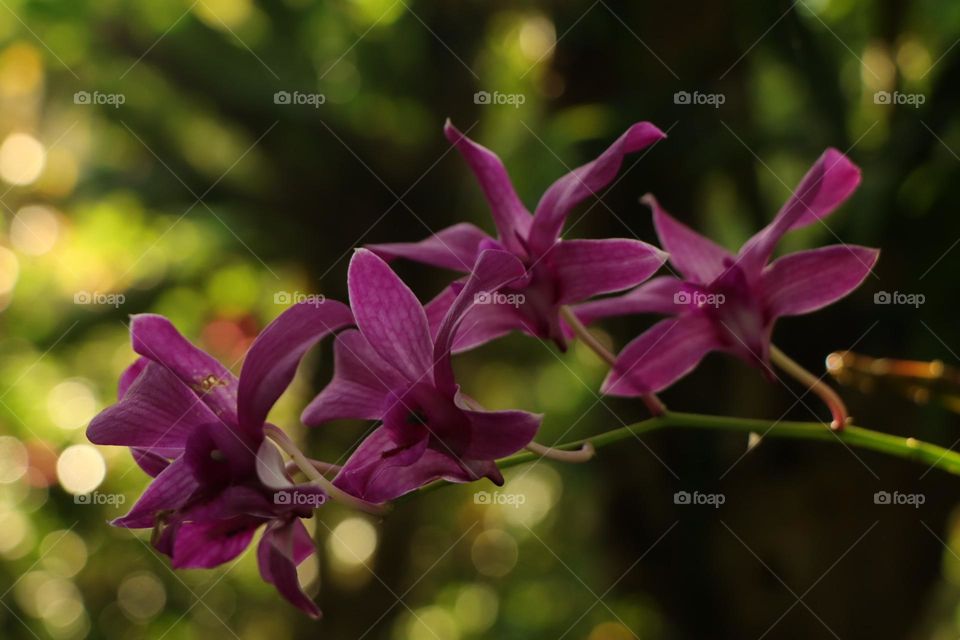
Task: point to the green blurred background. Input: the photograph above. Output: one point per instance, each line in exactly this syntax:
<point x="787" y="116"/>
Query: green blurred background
<point x="146" y="166"/>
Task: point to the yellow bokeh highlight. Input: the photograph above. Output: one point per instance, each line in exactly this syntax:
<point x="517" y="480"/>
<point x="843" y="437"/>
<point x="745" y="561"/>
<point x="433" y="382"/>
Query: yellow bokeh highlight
<point x="22" y="158"/>
<point x="80" y="469"/>
<point x="352" y="542"/>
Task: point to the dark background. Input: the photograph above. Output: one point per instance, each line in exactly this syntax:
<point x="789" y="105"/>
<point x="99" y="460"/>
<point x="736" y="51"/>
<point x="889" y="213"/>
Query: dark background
<point x="201" y="198"/>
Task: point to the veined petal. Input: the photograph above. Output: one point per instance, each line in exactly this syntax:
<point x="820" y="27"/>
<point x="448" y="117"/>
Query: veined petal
<point x="586" y="268"/>
<point x="361" y="383"/>
<point x="480" y="325"/>
<point x="389" y="315"/>
<point x="157" y="411"/>
<point x="284" y="545"/>
<point x="153" y="461"/>
<point x="168" y="492"/>
<point x="809" y="280"/>
<point x="130" y="374"/>
<point x="697" y="257"/>
<point x="272" y="360"/>
<point x="493" y="270"/>
<point x="204" y="545"/>
<point x="509" y="215"/>
<point x="495" y="434"/>
<point x="154" y="337"/>
<point x="663" y="354"/>
<point x="453" y="248"/>
<point x="655" y="296"/>
<point x="830" y="181"/>
<point x="584" y="181"/>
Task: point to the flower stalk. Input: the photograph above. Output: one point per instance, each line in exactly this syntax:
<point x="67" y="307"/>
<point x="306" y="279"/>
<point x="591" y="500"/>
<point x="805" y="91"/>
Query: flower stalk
<point x="826" y="393"/>
<point x="653" y="403"/>
<point x="583" y="454"/>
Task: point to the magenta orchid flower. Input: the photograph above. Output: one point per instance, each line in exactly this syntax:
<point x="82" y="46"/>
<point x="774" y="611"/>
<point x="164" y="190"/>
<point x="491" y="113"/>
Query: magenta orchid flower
<point x="561" y="272"/>
<point x="200" y="431"/>
<point x="392" y="370"/>
<point x="731" y="303"/>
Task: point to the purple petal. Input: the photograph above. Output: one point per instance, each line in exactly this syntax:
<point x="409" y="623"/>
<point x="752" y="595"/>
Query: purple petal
<point x="130" y="374"/>
<point x="697" y="257"/>
<point x="493" y="270"/>
<point x="389" y="315"/>
<point x="168" y="492"/>
<point x="655" y="296"/>
<point x="509" y="215"/>
<point x="830" y="181"/>
<point x="366" y="477"/>
<point x="156" y="338"/>
<point x="284" y="546"/>
<point x="360" y="386"/>
<point x="663" y="354"/>
<point x="204" y="545"/>
<point x="272" y="360"/>
<point x="495" y="434"/>
<point x="157" y="411"/>
<point x="809" y="280"/>
<point x="584" y="181"/>
<point x="453" y="248"/>
<point x="585" y="268"/>
<point x="482" y="324"/>
<point x="152" y="461"/>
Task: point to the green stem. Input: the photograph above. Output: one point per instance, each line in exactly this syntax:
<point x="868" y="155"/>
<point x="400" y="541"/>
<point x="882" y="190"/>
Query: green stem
<point x="859" y="437"/>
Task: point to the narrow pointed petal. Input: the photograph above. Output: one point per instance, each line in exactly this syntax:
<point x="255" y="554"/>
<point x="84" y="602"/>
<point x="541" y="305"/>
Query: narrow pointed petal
<point x="361" y="383"/>
<point x="151" y="461"/>
<point x="455" y="248"/>
<point x="493" y="270"/>
<point x="697" y="257"/>
<point x="809" y="280"/>
<point x="830" y="181"/>
<point x="389" y="315"/>
<point x="655" y="296"/>
<point x="283" y="547"/>
<point x="583" y="182"/>
<point x="482" y="324"/>
<point x="272" y="360"/>
<point x="663" y="354"/>
<point x="495" y="434"/>
<point x="157" y="411"/>
<point x="586" y="268"/>
<point x="168" y="492"/>
<point x="154" y="337"/>
<point x="509" y="215"/>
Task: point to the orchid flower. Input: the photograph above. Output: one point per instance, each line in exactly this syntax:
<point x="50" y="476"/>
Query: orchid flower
<point x="392" y="370"/>
<point x="731" y="303"/>
<point x="561" y="272"/>
<point x="200" y="431"/>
